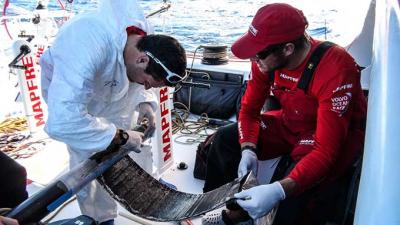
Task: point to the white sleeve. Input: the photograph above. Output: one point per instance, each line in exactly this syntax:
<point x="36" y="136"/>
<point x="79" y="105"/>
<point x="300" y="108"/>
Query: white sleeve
<point x="77" y="54"/>
<point x="143" y="95"/>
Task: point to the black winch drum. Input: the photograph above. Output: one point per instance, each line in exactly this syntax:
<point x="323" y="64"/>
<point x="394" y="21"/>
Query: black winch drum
<point x="215" y="54"/>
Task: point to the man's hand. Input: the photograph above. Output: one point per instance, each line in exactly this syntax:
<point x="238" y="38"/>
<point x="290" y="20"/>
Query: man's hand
<point x="146" y="112"/>
<point x="261" y="199"/>
<point x="248" y="162"/>
<point x="134" y="140"/>
<point x="7" y="221"/>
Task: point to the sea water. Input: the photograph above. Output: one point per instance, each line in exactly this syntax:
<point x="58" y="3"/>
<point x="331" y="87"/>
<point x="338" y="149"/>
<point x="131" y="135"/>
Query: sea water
<point x="198" y="22"/>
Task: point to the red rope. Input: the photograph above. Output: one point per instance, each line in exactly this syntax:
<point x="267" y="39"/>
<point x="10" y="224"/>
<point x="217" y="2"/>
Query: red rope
<point x="61" y="5"/>
<point x="6" y="3"/>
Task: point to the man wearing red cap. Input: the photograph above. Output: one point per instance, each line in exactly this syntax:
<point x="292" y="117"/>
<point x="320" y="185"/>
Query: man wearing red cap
<point x="319" y="124"/>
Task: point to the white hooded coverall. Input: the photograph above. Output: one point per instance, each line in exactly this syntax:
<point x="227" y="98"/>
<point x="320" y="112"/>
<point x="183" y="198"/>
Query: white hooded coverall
<point x="88" y="94"/>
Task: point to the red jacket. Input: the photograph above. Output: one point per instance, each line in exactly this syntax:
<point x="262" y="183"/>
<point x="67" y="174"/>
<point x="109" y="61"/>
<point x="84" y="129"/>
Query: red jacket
<point x="339" y="106"/>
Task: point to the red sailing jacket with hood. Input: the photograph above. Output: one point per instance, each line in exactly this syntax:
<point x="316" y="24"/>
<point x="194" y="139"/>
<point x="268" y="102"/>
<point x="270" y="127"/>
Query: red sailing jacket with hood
<point x="332" y="107"/>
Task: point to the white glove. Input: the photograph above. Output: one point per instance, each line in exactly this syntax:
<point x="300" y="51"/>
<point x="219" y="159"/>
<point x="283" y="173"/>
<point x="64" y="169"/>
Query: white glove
<point x="146" y="112"/>
<point x="261" y="199"/>
<point x="134" y="141"/>
<point x="248" y="162"/>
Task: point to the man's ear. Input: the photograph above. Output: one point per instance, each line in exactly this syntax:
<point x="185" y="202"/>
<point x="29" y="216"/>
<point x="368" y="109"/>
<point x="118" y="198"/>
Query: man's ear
<point x="142" y="60"/>
<point x="289" y="49"/>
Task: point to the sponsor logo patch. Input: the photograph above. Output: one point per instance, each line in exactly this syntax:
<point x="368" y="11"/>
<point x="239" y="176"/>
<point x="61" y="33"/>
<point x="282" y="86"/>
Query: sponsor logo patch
<point x="286" y="77"/>
<point x="341" y="103"/>
<point x="343" y="87"/>
<point x="165" y="124"/>
<point x="111" y="83"/>
<point x="306" y="142"/>
<point x="253" y="30"/>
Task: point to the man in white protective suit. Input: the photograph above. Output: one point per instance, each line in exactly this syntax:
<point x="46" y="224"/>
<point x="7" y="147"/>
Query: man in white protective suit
<point x="95" y="76"/>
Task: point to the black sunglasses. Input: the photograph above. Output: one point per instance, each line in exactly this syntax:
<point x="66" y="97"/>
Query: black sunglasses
<point x="269" y="50"/>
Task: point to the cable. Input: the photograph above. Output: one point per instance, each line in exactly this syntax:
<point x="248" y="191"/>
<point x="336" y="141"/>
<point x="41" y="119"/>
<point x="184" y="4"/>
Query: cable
<point x="58" y="210"/>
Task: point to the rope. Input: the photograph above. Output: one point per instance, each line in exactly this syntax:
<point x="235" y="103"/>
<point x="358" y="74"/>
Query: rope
<point x="188" y="73"/>
<point x="14" y="140"/>
<point x="61" y="5"/>
<point x="16" y="146"/>
<point x="194" y="56"/>
<point x="191" y="131"/>
<point x="12" y="125"/>
<point x="6" y="4"/>
<point x="4" y="211"/>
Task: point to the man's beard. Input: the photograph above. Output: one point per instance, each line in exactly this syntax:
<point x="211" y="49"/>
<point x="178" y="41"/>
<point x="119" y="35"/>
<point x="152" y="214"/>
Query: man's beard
<point x="131" y="72"/>
<point x="281" y="62"/>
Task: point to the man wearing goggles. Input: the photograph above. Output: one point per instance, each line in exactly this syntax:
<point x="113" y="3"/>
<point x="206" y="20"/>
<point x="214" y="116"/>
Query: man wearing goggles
<point x="95" y="76"/>
<point x="147" y="63"/>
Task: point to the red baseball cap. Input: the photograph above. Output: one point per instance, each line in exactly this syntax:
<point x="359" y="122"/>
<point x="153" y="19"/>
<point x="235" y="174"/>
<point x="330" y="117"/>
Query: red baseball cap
<point x="273" y="24"/>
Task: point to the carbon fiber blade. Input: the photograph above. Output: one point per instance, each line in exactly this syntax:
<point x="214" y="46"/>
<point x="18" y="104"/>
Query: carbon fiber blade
<point x="144" y="196"/>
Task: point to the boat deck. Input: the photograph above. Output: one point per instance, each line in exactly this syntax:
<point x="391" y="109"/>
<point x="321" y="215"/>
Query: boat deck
<point x="52" y="161"/>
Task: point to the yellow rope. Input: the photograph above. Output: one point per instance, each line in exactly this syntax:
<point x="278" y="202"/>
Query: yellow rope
<point x="190" y="131"/>
<point x="12" y="125"/>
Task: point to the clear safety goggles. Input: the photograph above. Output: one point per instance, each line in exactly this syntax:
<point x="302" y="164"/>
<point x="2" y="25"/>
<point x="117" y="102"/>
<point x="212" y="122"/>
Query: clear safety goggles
<point x="172" y="77"/>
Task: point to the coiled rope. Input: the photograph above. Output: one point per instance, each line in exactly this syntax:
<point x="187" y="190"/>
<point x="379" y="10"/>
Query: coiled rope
<point x="12" y="125"/>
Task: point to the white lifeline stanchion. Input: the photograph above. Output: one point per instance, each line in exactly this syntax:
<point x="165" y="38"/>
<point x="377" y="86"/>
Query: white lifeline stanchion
<point x="379" y="195"/>
<point x="29" y="82"/>
<point x="162" y="140"/>
<point x="29" y="78"/>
